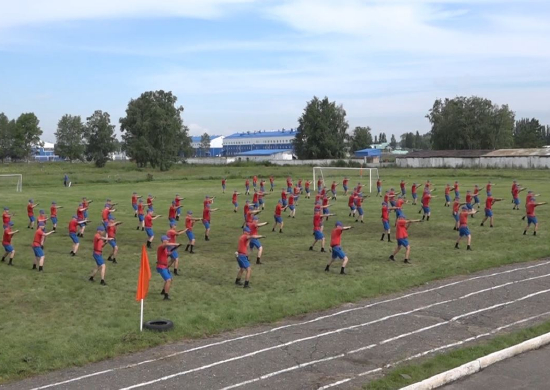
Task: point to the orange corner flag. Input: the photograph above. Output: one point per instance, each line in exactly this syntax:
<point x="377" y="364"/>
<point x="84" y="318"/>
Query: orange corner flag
<point x="144" y="276"/>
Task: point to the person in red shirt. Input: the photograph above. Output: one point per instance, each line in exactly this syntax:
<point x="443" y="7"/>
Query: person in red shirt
<point x="38" y="246"/>
<point x="299" y="185"/>
<point x="223" y="185"/>
<point x="254" y="181"/>
<point x="284" y="194"/>
<point x="351" y="205"/>
<point x="402" y="187"/>
<point x="476" y="195"/>
<point x="515" y="193"/>
<point x="81" y="217"/>
<point x="6" y="216"/>
<point x="292" y="206"/>
<point x="456" y="189"/>
<point x="271" y="183"/>
<point x="318" y="229"/>
<point x="333" y="189"/>
<point x="345" y="185"/>
<point x="514" y="185"/>
<point x="178" y="200"/>
<point x="463" y="230"/>
<point x="379" y="187"/>
<point x="335" y="244"/>
<point x="206" y="220"/>
<point x="489" y="188"/>
<point x="278" y="216"/>
<point x="426" y="205"/>
<point x="247" y="186"/>
<point x="42" y="217"/>
<point x="242" y="257"/>
<point x="30" y="213"/>
<point x="148" y="223"/>
<point x="531" y="218"/>
<point x="447" y="195"/>
<point x="261" y="195"/>
<point x="141" y="216"/>
<point x="111" y="233"/>
<point x="530" y="194"/>
<point x="456" y="212"/>
<point x="386" y="220"/>
<point x="469" y="199"/>
<point x="255" y="243"/>
<point x="150" y="199"/>
<point x="208" y="200"/>
<point x="262" y="185"/>
<point x="489" y="202"/>
<point x="403" y="237"/>
<point x="106" y="212"/>
<point x="172" y="212"/>
<point x="172" y="233"/>
<point x="99" y="241"/>
<point x="135" y="198"/>
<point x="6" y="242"/>
<point x="189" y="222"/>
<point x="235" y="201"/>
<point x="289" y="184"/>
<point x="86" y="205"/>
<point x="73" y="233"/>
<point x="53" y="214"/>
<point x="391" y="196"/>
<point x="413" y="192"/>
<point x="165" y="250"/>
<point x="359" y="207"/>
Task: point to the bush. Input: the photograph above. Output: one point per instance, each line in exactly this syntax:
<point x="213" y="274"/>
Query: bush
<point x="149" y="177"/>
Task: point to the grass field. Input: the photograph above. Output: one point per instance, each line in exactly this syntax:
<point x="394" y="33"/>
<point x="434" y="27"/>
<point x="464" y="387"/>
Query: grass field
<point x="58" y="318"/>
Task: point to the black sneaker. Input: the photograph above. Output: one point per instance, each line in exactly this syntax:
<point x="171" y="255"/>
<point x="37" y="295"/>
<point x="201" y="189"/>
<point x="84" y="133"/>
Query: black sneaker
<point x="103" y="282"/>
<point x="91" y="279"/>
<point x="246" y="286"/>
<point x="323" y="250"/>
<point x="166" y="298"/>
<point x="406" y="261"/>
<point x="310" y="248"/>
<point x="392" y="258"/>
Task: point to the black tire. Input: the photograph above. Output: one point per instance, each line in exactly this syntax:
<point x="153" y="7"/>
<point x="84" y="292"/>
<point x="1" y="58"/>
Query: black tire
<point x="159" y="325"/>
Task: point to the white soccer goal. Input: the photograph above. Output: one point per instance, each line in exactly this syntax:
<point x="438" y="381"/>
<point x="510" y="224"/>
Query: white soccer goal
<point x="16" y="177"/>
<point x="355" y="175"/>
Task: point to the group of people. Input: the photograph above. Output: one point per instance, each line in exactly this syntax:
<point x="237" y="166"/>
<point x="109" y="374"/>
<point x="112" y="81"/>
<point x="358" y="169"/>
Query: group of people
<point x="250" y="239"/>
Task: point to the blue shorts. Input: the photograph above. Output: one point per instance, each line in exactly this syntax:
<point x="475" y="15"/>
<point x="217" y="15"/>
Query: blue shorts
<point x="464" y="231"/>
<point x="398" y="213"/>
<point x="38" y="252"/>
<point x="74" y="237"/>
<point x="134" y="206"/>
<point x="307" y="190"/>
<point x="150" y="208"/>
<point x="99" y="259"/>
<point x="403" y="191"/>
<point x="352" y="208"/>
<point x="261" y="201"/>
<point x="456" y="217"/>
<point x="337" y="252"/>
<point x="457" y="194"/>
<point x="262" y="188"/>
<point x="426" y="210"/>
<point x="164" y="273"/>
<point x="476" y="200"/>
<point x="81" y="224"/>
<point x="255" y="243"/>
<point x="488" y="213"/>
<point x="178" y="210"/>
<point x="149" y="231"/>
<point x="360" y="210"/>
<point x="254" y="185"/>
<point x="190" y="235"/>
<point x="141" y="217"/>
<point x="403" y="242"/>
<point x="517" y="201"/>
<point x="256" y="205"/>
<point x="532" y="220"/>
<point x="386" y="225"/>
<point x="174" y="254"/>
<point x="32" y="219"/>
<point x="243" y="261"/>
<point x="223" y="186"/>
<point x="379" y="189"/>
<point x="345" y="188"/>
<point x="206" y="224"/>
<point x="272" y="185"/>
<point x="318" y="235"/>
<point x="291" y="207"/>
<point x="415" y="196"/>
<point x="247" y="188"/>
<point x="8" y="248"/>
<point x="278" y="219"/>
<point x="469" y="206"/>
<point x="172" y="220"/>
<point x="392" y="203"/>
<point x="326" y="210"/>
<point x="284" y="203"/>
<point x="236" y="204"/>
<point x="54" y="220"/>
<point x="333" y="192"/>
<point x="288" y="189"/>
<point x="448" y="198"/>
<point x="112" y="243"/>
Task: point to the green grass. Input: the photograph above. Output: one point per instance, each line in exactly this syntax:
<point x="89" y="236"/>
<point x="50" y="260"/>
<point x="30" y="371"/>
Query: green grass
<point x="447" y="361"/>
<point x="58" y="319"/>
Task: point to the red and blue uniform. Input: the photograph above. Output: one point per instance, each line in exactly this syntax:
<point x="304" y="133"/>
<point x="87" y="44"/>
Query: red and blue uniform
<point x="335" y="242"/>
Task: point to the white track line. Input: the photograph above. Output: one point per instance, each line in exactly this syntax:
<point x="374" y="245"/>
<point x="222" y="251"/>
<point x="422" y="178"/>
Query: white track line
<point x="220" y="362"/>
<point x="430" y="351"/>
<point x="290" y="325"/>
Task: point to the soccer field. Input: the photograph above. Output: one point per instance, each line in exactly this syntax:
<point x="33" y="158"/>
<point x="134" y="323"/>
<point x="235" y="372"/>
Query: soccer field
<point x="57" y="318"/>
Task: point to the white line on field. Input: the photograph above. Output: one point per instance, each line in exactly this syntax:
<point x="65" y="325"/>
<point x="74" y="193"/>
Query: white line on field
<point x="279" y="346"/>
<point x="430" y="351"/>
<point x="290" y="325"/>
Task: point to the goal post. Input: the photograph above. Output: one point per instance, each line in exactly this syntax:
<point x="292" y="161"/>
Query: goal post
<point x="19" y="178"/>
<point x="337" y="174"/>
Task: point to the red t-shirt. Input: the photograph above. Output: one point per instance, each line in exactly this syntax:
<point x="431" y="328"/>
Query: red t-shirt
<point x="385" y="213"/>
<point x="189" y="223"/>
<point x="243" y="245"/>
<point x="73" y="226"/>
<point x="358" y="201"/>
<point x="283" y="195"/>
<point x="206" y="215"/>
<point x="134" y="199"/>
<point x="255" y="197"/>
<point x="98" y="244"/>
<point x="278" y="210"/>
<point x="105" y="214"/>
<point x="468" y="198"/>
<point x="476" y="191"/>
<point x="336" y="236"/>
<point x="402" y="185"/>
<point x="401" y="229"/>
<point x="253" y="228"/>
<point x="345" y="182"/>
<point x="38" y="237"/>
<point x="30" y="210"/>
<point x="177" y="200"/>
<point x="400" y="203"/>
<point x="291" y="200"/>
<point x="6" y="217"/>
<point x="247" y="183"/>
<point x="378" y="183"/>
<point x="234" y="198"/>
<point x="140" y="209"/>
<point x="307" y="184"/>
<point x="149" y="201"/>
<point x="317" y="222"/>
<point x="463" y="218"/>
<point x="447" y="190"/>
<point x="333" y="187"/>
<point x="111" y="231"/>
<point x="255" y="179"/>
<point x="162" y="257"/>
<point x="515" y="192"/>
<point x="413" y="189"/>
<point x="426" y="200"/>
<point x="456" y="206"/>
<point x="53" y="211"/>
<point x="172" y="211"/>
<point x="531" y="209"/>
<point x="246" y="208"/>
<point x="223" y="182"/>
<point x="489" y="203"/>
<point x="456" y="187"/>
<point x="6" y="239"/>
<point x="488" y="187"/>
<point x="148" y="221"/>
<point x="351" y="200"/>
<point x="171" y="235"/>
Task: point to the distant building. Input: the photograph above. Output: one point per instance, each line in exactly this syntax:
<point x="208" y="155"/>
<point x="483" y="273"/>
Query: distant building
<point x="216" y="146"/>
<point x="45" y="152"/>
<point x="265" y="154"/>
<point x="258" y="140"/>
<point x="369" y="155"/>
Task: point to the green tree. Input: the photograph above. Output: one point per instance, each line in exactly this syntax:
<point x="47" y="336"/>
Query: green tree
<point x="153" y="131"/>
<point x="382" y="138"/>
<point x="375" y="139"/>
<point x="393" y="142"/>
<point x="529" y="133"/>
<point x="100" y="138"/>
<point x="70" y="138"/>
<point x="361" y="138"/>
<point x="407" y="141"/>
<point x="26" y="135"/>
<point x="205" y="144"/>
<point x="6" y="136"/>
<point x="470" y="123"/>
<point x="321" y="130"/>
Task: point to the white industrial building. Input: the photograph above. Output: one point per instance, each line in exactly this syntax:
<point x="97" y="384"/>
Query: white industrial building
<point x="266" y="155"/>
<point x="501" y="158"/>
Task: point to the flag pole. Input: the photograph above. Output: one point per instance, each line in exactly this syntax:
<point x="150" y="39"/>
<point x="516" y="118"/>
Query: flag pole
<point x="141" y="318"/>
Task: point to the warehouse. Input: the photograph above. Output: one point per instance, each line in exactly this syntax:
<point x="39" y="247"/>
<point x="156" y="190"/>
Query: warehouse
<point x="501" y="158"/>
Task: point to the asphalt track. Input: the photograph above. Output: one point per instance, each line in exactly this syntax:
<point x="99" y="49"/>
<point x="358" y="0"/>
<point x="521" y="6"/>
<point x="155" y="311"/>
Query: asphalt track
<point x="343" y="348"/>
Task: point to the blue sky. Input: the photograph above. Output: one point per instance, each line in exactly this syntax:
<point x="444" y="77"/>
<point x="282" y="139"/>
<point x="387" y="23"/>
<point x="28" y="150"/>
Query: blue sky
<point x="239" y="65"/>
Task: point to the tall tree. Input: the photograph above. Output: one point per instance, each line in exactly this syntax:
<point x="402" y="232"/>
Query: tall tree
<point x="529" y="133"/>
<point x="393" y="142"/>
<point x="70" y="138"/>
<point x="361" y="138"/>
<point x="205" y="144"/>
<point x="153" y="130"/>
<point x="26" y="136"/>
<point x="382" y="138"/>
<point x="375" y="139"/>
<point x="321" y="130"/>
<point x="6" y="136"/>
<point x="100" y="138"/>
<point x="470" y="123"/>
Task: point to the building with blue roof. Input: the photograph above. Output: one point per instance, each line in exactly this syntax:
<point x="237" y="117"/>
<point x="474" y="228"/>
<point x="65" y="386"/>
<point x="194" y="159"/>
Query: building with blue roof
<point x="239" y="143"/>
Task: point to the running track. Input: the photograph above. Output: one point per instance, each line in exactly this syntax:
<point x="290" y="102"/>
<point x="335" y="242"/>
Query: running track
<point x="341" y="349"/>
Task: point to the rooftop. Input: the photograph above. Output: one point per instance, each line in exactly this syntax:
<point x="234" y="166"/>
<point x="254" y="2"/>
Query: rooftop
<point x="264" y="152"/>
<point x="197" y="138"/>
<point x="262" y="134"/>
<point x="446" y="153"/>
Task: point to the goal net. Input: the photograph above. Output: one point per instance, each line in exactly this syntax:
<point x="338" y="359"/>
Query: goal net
<point x="366" y="176"/>
<point x="15" y="180"/>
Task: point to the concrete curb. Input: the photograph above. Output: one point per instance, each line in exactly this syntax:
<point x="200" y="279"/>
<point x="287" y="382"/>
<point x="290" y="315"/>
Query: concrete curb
<point x="479" y="364"/>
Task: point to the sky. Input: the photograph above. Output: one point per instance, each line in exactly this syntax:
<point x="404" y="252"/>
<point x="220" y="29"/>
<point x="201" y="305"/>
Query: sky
<point x="244" y="65"/>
